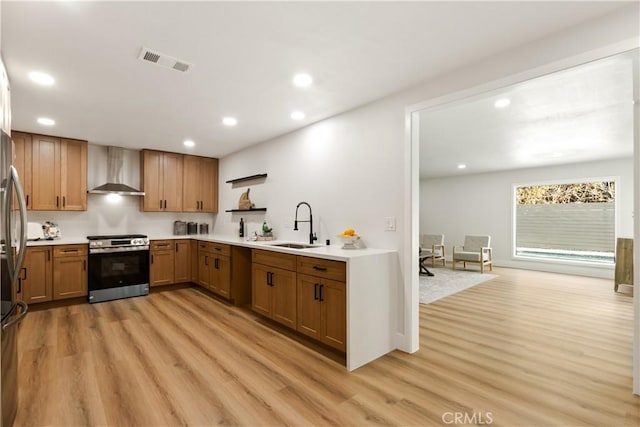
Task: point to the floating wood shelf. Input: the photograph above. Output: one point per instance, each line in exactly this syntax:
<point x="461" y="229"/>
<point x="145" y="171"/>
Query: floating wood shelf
<point x="247" y="210"/>
<point x="247" y="178"/>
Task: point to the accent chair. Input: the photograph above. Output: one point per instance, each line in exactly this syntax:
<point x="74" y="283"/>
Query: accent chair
<point x="431" y="247"/>
<point x="476" y="249"/>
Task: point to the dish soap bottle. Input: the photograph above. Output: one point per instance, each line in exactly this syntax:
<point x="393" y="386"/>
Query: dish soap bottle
<point x="265" y="228"/>
<point x="241" y="227"/>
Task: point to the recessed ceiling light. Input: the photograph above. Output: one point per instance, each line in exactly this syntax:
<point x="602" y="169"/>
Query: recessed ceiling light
<point x="462" y="166"/>
<point x="302" y="80"/>
<point x="46" y="121"/>
<point x="229" y="121"/>
<point x="502" y="102"/>
<point x="297" y="115"/>
<point x="189" y="143"/>
<point x="41" y="78"/>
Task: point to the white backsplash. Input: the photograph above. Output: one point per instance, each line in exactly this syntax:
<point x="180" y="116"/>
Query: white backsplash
<point x="122" y="217"/>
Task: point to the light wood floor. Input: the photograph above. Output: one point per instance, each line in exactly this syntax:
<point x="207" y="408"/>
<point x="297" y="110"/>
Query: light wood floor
<point x="524" y="349"/>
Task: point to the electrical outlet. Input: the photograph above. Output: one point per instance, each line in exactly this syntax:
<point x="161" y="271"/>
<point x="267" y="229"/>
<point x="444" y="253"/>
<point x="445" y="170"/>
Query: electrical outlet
<point x="390" y="223"/>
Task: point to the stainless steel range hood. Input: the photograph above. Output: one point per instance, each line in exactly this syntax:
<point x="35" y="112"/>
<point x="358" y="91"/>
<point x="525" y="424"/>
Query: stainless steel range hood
<point x="114" y="183"/>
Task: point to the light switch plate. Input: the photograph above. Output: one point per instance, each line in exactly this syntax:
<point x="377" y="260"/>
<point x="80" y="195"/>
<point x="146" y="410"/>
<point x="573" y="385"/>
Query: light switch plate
<point x="390" y="223"/>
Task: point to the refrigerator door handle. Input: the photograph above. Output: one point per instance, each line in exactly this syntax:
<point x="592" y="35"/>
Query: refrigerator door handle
<point x="22" y="204"/>
<point x="17" y="318"/>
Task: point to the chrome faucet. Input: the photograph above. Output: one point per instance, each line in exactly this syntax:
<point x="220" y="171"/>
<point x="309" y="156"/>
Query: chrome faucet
<point x="312" y="235"/>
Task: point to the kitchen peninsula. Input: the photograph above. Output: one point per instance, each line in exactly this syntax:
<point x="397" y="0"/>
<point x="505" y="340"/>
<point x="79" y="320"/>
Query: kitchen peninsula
<point x="362" y="278"/>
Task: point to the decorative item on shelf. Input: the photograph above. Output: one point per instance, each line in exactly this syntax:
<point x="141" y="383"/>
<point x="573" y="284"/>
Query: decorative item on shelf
<point x="349" y="238"/>
<point x="245" y="202"/>
<point x="267" y="232"/>
<point x="51" y="230"/>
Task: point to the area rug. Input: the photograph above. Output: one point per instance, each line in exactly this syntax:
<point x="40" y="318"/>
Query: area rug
<point x="447" y="282"/>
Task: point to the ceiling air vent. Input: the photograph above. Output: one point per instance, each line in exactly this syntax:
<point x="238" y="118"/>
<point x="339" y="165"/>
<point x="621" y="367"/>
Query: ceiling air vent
<point x="163" y="60"/>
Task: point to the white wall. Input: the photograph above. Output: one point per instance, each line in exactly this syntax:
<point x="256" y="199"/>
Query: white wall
<point x="482" y="204"/>
<point x="351" y="167"/>
<point x="123" y="217"/>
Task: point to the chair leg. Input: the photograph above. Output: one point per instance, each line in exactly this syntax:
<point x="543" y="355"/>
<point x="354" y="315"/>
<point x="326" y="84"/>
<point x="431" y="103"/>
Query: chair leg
<point x="491" y="266"/>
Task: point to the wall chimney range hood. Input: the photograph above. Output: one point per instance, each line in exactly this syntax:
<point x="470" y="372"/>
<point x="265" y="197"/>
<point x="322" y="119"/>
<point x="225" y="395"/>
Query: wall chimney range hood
<point x="114" y="183"/>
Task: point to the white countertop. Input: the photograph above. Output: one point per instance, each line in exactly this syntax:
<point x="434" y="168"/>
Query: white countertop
<point x="61" y="241"/>
<point x="334" y="252"/>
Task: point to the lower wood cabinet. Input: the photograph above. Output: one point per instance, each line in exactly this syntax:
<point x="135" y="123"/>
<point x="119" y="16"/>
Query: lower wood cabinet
<point x="322" y="300"/>
<point x="182" y="261"/>
<point x="214" y="267"/>
<point x="170" y="262"/>
<point x="273" y="288"/>
<point x="53" y="273"/>
<point x="35" y="282"/>
<point x="69" y="271"/>
<point x="322" y="310"/>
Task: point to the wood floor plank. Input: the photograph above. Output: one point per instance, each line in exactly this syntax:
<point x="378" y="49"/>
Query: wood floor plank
<point x="528" y="348"/>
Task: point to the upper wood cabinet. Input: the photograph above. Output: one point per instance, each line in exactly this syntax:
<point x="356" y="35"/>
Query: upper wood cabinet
<point x="179" y="183"/>
<point x="22" y="162"/>
<point x="162" y="177"/>
<point x="200" y="185"/>
<point x="58" y="173"/>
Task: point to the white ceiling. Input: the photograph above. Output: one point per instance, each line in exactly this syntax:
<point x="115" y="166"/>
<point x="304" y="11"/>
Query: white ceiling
<point x="245" y="54"/>
<point x="576" y="115"/>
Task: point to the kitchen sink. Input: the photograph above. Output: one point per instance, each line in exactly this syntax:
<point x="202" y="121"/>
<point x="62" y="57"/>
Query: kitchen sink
<point x="293" y="245"/>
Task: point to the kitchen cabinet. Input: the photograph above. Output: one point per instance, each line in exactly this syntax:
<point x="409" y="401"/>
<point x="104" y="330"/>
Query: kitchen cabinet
<point x="58" y="174"/>
<point x="162" y="178"/>
<point x="194" y="260"/>
<point x="162" y="268"/>
<point x="36" y="281"/>
<point x="69" y="271"/>
<point x="182" y="261"/>
<point x="214" y="268"/>
<point x="274" y="286"/>
<point x="200" y="184"/>
<point x="22" y="162"/>
<point x="322" y="300"/>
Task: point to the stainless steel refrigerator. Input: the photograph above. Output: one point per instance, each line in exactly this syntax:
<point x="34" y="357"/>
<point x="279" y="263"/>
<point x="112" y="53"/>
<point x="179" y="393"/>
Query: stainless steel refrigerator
<point x="13" y="239"/>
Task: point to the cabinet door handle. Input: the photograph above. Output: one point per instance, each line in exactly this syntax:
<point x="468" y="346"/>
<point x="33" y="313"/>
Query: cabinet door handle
<point x="321" y="293"/>
<point x="24" y="270"/>
<point x="315" y="291"/>
<point x="19" y="291"/>
<point x="269" y="278"/>
<point x="57" y="201"/>
<point x="27" y="200"/>
<point x="66" y="251"/>
<point x="48" y="255"/>
<point x="151" y="258"/>
<point x="206" y="260"/>
<point x="217" y="264"/>
<point x="218" y="249"/>
<point x="84" y="265"/>
<point x="160" y="204"/>
<point x="64" y="201"/>
<point x="165" y="204"/>
<point x="176" y="247"/>
<point x="319" y="268"/>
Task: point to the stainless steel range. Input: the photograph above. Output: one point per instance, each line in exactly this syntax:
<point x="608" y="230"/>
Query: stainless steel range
<point x="118" y="267"/>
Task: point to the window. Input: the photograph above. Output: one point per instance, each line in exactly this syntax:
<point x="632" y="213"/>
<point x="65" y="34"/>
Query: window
<point x="574" y="221"/>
